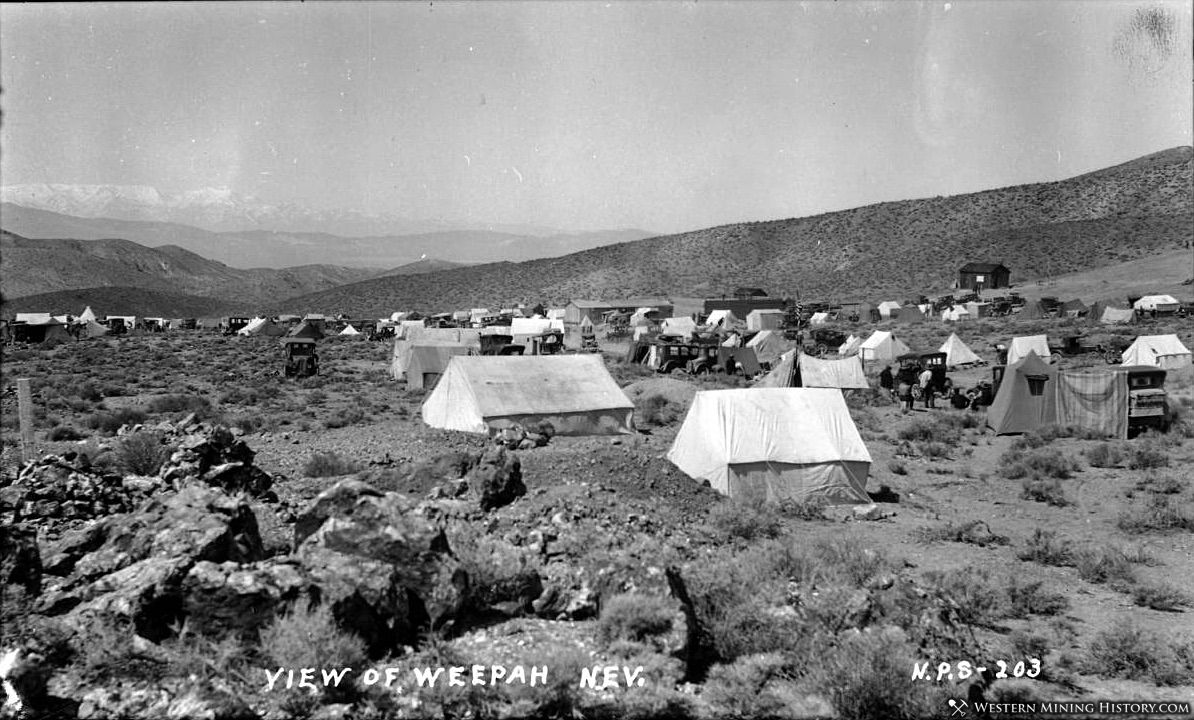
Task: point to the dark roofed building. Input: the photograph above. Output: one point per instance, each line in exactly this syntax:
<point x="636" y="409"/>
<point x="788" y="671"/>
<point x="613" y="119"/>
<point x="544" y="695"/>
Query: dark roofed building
<point x="983" y="276"/>
<point x="747" y="293"/>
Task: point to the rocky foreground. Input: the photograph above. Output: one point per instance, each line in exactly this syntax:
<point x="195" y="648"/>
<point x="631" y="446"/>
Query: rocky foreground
<point x="195" y="591"/>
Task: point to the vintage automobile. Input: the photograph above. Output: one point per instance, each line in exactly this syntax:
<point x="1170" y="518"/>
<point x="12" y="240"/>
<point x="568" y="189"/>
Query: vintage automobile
<point x="301" y="358"/>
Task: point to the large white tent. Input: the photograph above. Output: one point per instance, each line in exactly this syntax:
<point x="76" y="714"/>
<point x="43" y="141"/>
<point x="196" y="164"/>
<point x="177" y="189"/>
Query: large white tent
<point x="768" y="345"/>
<point x="722" y="318"/>
<point x="796" y="369"/>
<point x="1165" y="351"/>
<point x="882" y="346"/>
<point x="400" y="359"/>
<point x="765" y="320"/>
<point x="957" y="352"/>
<point x="574" y="393"/>
<point x="774" y="444"/>
<point x="1019" y="348"/>
<point x="1157" y="303"/>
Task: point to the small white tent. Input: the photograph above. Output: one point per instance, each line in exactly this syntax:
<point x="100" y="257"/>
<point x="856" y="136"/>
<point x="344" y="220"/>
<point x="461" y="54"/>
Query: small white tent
<point x="1165" y="351"/>
<point x="774" y="444"/>
<point x="253" y="327"/>
<point x="850" y="347"/>
<point x="957" y="353"/>
<point x="350" y="330"/>
<point x="682" y="326"/>
<point x="574" y="393"/>
<point x="1019" y="348"/>
<point x="722" y="318"/>
<point x="957" y="313"/>
<point x="769" y="345"/>
<point x="819" y="318"/>
<point x="882" y="346"/>
<point x="87" y="315"/>
<point x="765" y="320"/>
<point x="886" y="307"/>
<point x="1157" y="303"/>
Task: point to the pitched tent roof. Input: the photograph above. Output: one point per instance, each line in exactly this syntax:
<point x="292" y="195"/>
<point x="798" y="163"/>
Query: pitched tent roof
<point x="1073" y="308"/>
<point x="850" y="347"/>
<point x="768" y="345"/>
<point x="723" y="318"/>
<point x="306" y="330"/>
<point x="774" y="444"/>
<point x="575" y="393"/>
<point x="1019" y="347"/>
<point x="87" y="315"/>
<point x="1162" y="303"/>
<point x="1016" y="409"/>
<point x="350" y="330"/>
<point x="253" y="327"/>
<point x="956" y="352"/>
<point x="1032" y="311"/>
<point x="428" y="362"/>
<point x="882" y="346"/>
<point x="1116" y="316"/>
<point x="764" y="319"/>
<point x="797" y="369"/>
<point x="818" y="318"/>
<point x="886" y="307"/>
<point x="400" y="359"/>
<point x="1165" y="351"/>
<point x="93" y="329"/>
<point x="683" y="326"/>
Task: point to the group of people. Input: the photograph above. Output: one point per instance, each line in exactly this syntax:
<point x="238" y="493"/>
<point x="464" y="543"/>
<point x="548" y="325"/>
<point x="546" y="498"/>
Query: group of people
<point x="900" y="387"/>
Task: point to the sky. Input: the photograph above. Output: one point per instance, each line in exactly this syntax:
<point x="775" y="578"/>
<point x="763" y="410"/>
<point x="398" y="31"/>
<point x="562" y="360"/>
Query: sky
<point x="664" y="116"/>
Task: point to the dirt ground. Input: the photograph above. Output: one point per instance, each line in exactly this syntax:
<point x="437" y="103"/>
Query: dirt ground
<point x="355" y="411"/>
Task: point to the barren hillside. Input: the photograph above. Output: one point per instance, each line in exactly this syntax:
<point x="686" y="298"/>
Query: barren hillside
<point x="1118" y="214"/>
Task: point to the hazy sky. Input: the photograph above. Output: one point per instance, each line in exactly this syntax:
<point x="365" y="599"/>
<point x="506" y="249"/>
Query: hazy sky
<point x="658" y="115"/>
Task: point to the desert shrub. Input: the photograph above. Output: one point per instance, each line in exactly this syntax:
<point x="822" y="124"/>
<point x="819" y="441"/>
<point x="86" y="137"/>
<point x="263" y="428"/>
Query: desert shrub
<point x="1048" y="491"/>
<point x="1036" y="463"/>
<point x="1045" y="548"/>
<point x="109" y="421"/>
<point x="897" y="467"/>
<point x="142" y="453"/>
<point x="974" y="532"/>
<point x="105" y="651"/>
<point x="1104" y="455"/>
<point x="202" y="658"/>
<point x="1029" y="598"/>
<point x="865" y="677"/>
<point x="329" y="464"/>
<point x="1104" y="566"/>
<point x="1129" y="651"/>
<point x="746" y="520"/>
<point x="1024" y="645"/>
<point x="1147" y="456"/>
<point x="497" y="571"/>
<point x="1158" y="514"/>
<point x="1159" y="596"/>
<point x="811" y="509"/>
<point x="938" y="429"/>
<point x="239" y="395"/>
<point x="658" y="410"/>
<point x="344" y="417"/>
<point x="751" y="686"/>
<point x="635" y="617"/>
<point x="934" y="450"/>
<point x="179" y="403"/>
<point x="63" y="432"/>
<point x="970" y="589"/>
<point x="308" y="636"/>
<point x="1162" y="484"/>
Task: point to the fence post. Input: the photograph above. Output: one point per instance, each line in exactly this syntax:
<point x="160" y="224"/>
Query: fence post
<point x="25" y="413"/>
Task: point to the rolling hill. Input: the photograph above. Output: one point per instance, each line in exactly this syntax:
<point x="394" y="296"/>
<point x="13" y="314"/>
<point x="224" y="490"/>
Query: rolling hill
<point x="114" y="300"/>
<point x="32" y="267"/>
<point x="1119" y="214"/>
<point x="425" y="265"/>
<point x="274" y="249"/>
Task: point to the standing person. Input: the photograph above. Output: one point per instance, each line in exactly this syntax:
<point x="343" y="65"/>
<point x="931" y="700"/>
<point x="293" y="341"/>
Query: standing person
<point x="906" y="379"/>
<point x="926" y="387"/>
<point x="887" y="382"/>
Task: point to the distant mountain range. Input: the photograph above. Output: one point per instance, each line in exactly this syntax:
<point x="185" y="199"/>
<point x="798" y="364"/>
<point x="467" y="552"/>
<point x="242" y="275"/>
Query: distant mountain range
<point x="114" y="300"/>
<point x="889" y="250"/>
<point x="32" y="267"/>
<point x="278" y="248"/>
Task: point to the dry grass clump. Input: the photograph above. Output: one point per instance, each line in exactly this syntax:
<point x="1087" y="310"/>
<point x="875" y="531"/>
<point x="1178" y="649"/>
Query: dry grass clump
<point x="1046" y="548"/>
<point x="329" y="464"/>
<point x="1158" y="514"/>
<point x="974" y="532"/>
<point x="1129" y="651"/>
<point x="142" y="453"/>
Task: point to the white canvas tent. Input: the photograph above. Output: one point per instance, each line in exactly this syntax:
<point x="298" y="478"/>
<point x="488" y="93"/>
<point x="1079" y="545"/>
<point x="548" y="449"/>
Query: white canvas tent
<point x="957" y="352"/>
<point x="87" y="315"/>
<point x="796" y="369"/>
<point x="1117" y="316"/>
<point x="886" y="307"/>
<point x="1165" y="351"/>
<point x="400" y="359"/>
<point x="1157" y="303"/>
<point x="529" y="326"/>
<point x="35" y="318"/>
<point x="350" y="330"/>
<point x="882" y="346"/>
<point x="851" y="346"/>
<point x="722" y="318"/>
<point x="764" y="320"/>
<point x="769" y="345"/>
<point x="1019" y="348"/>
<point x="574" y="393"/>
<point x="957" y="313"/>
<point x="819" y="318"/>
<point x="774" y="444"/>
<point x="682" y="326"/>
<point x="556" y="314"/>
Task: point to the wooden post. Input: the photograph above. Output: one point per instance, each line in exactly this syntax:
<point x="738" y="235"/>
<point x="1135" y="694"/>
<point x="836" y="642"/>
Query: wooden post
<point x="25" y="412"/>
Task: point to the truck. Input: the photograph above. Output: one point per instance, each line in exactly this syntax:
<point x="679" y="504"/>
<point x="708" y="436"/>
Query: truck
<point x="301" y="358"/>
<point x="1148" y="401"/>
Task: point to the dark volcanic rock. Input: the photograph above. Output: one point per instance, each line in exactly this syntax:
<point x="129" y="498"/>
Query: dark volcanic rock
<point x="20" y="560"/>
<point x="497" y="479"/>
<point x="236" y="599"/>
<point x="339" y="499"/>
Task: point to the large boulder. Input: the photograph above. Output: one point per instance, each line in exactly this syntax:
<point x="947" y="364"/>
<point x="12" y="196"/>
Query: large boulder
<point x="497" y="478"/>
<point x="216" y="457"/>
<point x="235" y="599"/>
<point x="20" y="560"/>
<point x="339" y="499"/>
<point x="139" y="561"/>
<point x="66" y="488"/>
